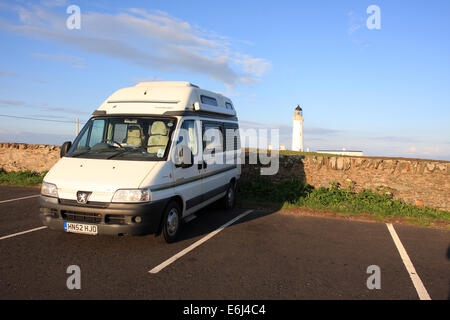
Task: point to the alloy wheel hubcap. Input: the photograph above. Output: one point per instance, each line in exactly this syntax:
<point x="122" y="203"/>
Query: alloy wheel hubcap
<point x="172" y="222"/>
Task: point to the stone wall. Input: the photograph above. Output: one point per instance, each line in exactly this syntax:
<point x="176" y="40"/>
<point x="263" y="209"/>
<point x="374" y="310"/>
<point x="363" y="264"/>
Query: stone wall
<point x="33" y="157"/>
<point x="417" y="181"/>
<point x="420" y="182"/>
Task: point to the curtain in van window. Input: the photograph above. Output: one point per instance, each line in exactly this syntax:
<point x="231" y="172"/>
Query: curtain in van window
<point x="189" y="129"/>
<point x="120" y="132"/>
<point x="213" y="138"/>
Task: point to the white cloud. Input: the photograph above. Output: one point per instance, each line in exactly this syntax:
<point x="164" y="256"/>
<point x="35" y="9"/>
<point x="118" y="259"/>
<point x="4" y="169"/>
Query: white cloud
<point x="155" y="40"/>
<point x="12" y="102"/>
<point x="255" y="66"/>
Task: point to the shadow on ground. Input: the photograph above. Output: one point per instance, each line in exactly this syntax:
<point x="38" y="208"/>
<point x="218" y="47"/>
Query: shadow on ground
<point x="252" y="186"/>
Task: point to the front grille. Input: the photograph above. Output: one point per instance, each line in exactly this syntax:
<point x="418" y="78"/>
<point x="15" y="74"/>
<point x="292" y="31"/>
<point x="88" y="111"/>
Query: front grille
<point x="115" y="219"/>
<point x="88" y="204"/>
<point x="81" y="216"/>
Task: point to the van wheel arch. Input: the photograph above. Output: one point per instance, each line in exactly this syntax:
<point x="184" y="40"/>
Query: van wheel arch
<point x="179" y="201"/>
<point x="229" y="200"/>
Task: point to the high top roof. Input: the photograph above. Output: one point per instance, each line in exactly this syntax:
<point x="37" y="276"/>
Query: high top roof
<point x="166" y="84"/>
<point x="158" y="97"/>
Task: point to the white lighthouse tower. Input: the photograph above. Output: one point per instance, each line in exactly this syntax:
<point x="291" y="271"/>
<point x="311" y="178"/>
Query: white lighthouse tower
<point x="297" y="130"/>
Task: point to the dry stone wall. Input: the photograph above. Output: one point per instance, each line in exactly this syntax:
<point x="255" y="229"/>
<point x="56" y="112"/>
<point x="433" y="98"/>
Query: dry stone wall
<point x="420" y="182"/>
<point x="416" y="181"/>
<point x="22" y="157"/>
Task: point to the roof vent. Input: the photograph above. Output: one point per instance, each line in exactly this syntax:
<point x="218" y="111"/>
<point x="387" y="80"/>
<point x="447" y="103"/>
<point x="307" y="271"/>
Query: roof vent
<point x="166" y="84"/>
<point x="99" y="113"/>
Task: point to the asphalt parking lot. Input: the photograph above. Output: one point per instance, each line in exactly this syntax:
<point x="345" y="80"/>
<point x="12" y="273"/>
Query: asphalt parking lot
<point x="264" y="254"/>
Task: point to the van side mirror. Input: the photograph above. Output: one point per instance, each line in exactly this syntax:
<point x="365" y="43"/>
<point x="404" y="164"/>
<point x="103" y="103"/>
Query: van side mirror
<point x="65" y="148"/>
<point x="183" y="157"/>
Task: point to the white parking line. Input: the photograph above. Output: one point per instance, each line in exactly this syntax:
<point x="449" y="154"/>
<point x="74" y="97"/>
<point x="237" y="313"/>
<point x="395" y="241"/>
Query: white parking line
<point x="10" y="200"/>
<point x="23" y="232"/>
<point x="420" y="288"/>
<point x="197" y="243"/>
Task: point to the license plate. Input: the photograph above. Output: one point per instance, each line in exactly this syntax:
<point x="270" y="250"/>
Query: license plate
<point x="80" y="228"/>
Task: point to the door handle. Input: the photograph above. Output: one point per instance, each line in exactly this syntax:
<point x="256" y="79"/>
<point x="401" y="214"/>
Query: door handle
<point x="202" y="165"/>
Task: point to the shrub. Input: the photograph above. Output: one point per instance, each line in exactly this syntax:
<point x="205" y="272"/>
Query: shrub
<point x="296" y="193"/>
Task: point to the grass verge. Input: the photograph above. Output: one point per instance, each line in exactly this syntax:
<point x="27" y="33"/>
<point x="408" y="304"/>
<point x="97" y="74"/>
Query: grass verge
<point x="23" y="178"/>
<point x="288" y="195"/>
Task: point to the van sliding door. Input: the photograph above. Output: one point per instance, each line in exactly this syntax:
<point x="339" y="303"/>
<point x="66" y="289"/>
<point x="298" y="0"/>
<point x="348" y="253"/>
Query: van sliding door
<point x="215" y="176"/>
<point x="188" y="180"/>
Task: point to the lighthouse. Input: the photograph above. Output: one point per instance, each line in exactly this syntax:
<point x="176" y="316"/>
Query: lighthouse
<point x="297" y="129"/>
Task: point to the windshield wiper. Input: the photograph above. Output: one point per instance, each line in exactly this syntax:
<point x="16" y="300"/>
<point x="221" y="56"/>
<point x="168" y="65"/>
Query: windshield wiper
<point x="91" y="150"/>
<point x="125" y="151"/>
<point x="80" y="154"/>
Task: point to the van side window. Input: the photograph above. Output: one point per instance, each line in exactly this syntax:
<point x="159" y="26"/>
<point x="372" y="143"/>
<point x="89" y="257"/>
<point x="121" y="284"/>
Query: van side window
<point x="232" y="137"/>
<point x="228" y="105"/>
<point x="213" y="138"/>
<point x="209" y="100"/>
<point x="83" y="140"/>
<point x="188" y="135"/>
<point x="96" y="135"/>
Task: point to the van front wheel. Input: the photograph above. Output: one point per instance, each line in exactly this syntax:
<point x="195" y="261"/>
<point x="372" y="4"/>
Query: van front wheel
<point x="172" y="222"/>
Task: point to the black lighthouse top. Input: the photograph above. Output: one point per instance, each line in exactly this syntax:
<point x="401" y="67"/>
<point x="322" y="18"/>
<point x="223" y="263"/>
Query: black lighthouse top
<point x="299" y="110"/>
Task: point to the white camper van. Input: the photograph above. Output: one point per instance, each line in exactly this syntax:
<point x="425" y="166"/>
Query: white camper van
<point x="150" y="157"/>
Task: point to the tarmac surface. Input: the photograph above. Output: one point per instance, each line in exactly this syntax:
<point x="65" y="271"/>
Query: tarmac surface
<point x="264" y="254"/>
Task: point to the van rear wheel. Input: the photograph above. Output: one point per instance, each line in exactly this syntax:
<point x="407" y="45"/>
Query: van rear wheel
<point x="230" y="197"/>
<point x="172" y="222"/>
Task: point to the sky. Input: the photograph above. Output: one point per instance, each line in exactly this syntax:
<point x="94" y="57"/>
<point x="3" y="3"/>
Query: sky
<point x="384" y="91"/>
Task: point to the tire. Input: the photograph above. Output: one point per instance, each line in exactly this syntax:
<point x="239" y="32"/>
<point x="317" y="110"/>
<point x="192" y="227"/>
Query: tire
<point x="171" y="224"/>
<point x="230" y="197"/>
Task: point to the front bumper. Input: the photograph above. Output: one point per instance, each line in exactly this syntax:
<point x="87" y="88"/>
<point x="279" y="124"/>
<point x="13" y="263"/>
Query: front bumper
<point x="111" y="218"/>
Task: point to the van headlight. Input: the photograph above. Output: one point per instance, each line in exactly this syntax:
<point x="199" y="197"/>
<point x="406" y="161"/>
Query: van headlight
<point x="132" y="195"/>
<point x="49" y="189"/>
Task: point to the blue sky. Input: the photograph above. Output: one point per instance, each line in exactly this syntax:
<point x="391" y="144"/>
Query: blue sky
<point x="385" y="92"/>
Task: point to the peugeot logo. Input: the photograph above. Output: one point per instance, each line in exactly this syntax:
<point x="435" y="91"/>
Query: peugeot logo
<point x="82" y="197"/>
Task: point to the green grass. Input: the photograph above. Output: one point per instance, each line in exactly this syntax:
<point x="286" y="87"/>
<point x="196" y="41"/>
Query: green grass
<point x="23" y="178"/>
<point x="294" y="193"/>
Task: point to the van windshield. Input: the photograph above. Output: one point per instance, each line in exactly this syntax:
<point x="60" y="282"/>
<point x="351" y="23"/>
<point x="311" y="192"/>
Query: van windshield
<point x="126" y="138"/>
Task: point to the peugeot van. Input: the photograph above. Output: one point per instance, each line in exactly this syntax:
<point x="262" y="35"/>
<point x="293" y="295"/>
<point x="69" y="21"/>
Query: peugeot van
<point x="149" y="158"/>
